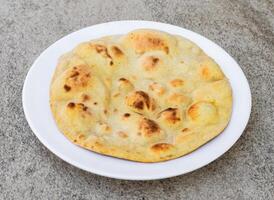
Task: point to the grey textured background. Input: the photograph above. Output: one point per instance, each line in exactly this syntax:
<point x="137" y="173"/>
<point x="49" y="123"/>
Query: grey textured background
<point x="245" y="29"/>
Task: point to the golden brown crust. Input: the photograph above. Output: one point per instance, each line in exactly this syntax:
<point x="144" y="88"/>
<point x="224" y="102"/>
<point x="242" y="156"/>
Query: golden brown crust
<point x="117" y="52"/>
<point x="139" y="101"/>
<point x="146" y="96"/>
<point x="149" y="128"/>
<point x="147" y="41"/>
<point x="171" y="115"/>
<point x="161" y="147"/>
<point x="177" y="82"/>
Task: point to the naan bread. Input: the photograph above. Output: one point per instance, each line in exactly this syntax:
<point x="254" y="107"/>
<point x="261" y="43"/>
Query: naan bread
<point x="146" y="96"/>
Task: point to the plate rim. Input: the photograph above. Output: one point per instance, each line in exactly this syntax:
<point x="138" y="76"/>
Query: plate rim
<point x="139" y="177"/>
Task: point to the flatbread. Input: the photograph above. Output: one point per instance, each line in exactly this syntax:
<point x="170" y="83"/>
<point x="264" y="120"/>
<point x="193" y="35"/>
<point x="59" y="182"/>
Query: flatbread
<point x="145" y="96"/>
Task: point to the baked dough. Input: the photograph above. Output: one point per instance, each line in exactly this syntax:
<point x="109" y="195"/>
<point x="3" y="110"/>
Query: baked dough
<point x="145" y="96"/>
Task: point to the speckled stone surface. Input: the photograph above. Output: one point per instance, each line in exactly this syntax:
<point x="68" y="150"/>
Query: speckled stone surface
<point x="245" y="29"/>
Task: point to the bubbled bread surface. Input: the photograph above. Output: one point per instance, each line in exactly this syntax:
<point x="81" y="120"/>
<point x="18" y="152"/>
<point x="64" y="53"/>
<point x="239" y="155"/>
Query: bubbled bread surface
<point x="146" y="96"/>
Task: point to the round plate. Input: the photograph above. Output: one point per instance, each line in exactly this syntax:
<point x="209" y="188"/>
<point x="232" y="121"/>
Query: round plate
<point x="38" y="113"/>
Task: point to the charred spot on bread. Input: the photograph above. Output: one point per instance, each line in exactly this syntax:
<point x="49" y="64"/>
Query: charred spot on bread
<point x="71" y="105"/>
<point x="171" y="115"/>
<point x="140" y="100"/>
<point x="149" y="127"/>
<point x="123" y="79"/>
<point x="150" y="62"/>
<point x="126" y="115"/>
<point x="67" y="88"/>
<point x="117" y="51"/>
<point x="74" y="74"/>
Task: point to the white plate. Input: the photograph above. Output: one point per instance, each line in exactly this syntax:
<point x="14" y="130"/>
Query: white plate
<point x="38" y="114"/>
